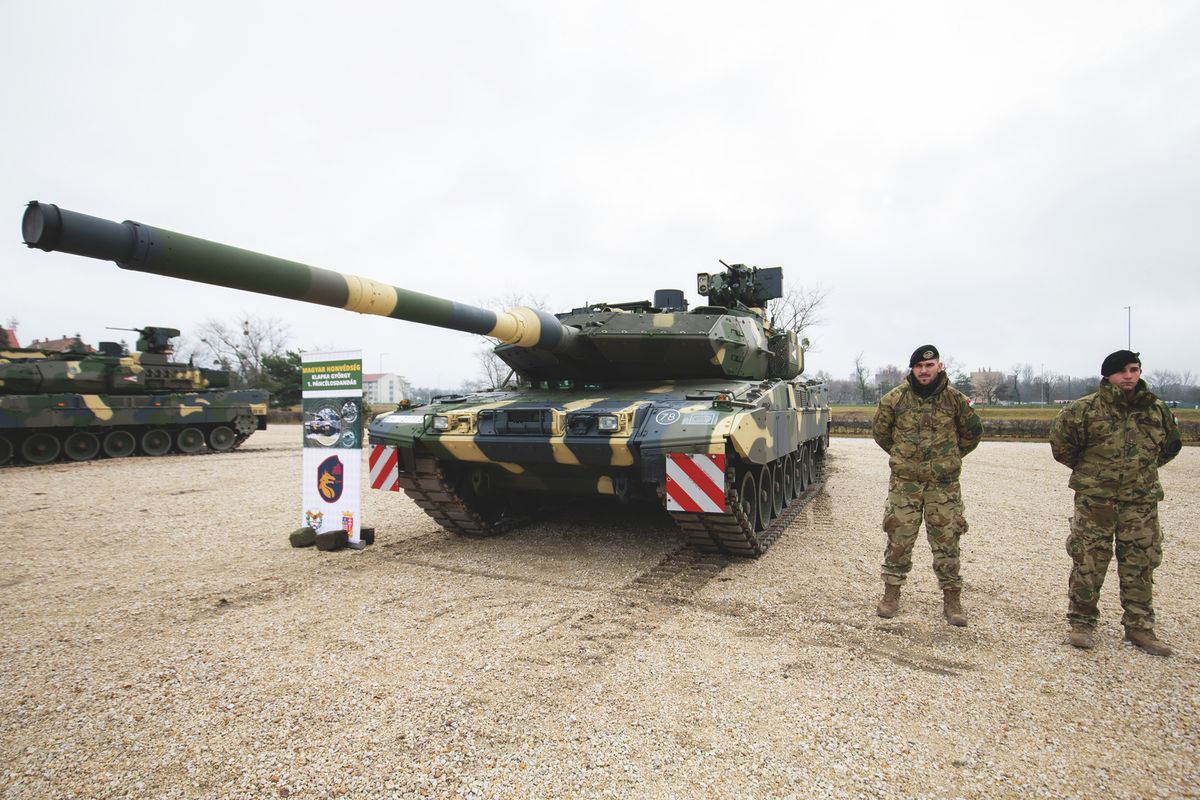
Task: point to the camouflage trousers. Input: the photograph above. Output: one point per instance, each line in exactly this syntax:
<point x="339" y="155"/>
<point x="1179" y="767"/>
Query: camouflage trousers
<point x="941" y="506"/>
<point x="1096" y="526"/>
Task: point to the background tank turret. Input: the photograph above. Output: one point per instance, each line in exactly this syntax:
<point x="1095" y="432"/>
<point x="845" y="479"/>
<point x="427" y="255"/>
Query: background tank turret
<point x="700" y="410"/>
<point x="80" y="405"/>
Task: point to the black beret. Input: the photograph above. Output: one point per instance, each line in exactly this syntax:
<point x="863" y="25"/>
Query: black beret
<point x="1115" y="362"/>
<point x="922" y="353"/>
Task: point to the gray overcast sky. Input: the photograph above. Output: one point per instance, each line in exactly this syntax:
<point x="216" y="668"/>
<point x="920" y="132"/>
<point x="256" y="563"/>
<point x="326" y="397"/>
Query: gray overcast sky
<point x="999" y="179"/>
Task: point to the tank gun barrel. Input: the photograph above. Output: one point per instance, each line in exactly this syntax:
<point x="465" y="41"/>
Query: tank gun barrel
<point x="136" y="246"/>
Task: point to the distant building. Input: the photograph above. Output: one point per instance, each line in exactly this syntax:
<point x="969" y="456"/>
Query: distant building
<point x="8" y="336"/>
<point x="986" y="375"/>
<point x="64" y="344"/>
<point x="987" y="383"/>
<point x="385" y="388"/>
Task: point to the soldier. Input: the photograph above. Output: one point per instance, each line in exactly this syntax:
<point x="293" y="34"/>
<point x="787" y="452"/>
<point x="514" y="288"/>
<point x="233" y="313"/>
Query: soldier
<point x="926" y="426"/>
<point x="1114" y="440"/>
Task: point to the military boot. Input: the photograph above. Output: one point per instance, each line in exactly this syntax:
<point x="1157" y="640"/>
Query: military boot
<point x="952" y="608"/>
<point x="1145" y="640"/>
<point x="890" y="603"/>
<point x="1081" y="636"/>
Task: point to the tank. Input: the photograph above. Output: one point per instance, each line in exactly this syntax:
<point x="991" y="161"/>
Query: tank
<point x="701" y="411"/>
<point x="80" y="405"/>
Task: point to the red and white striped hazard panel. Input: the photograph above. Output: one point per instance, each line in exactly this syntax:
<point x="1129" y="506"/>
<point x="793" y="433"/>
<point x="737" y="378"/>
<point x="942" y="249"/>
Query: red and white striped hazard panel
<point x="695" y="483"/>
<point x="385" y="468"/>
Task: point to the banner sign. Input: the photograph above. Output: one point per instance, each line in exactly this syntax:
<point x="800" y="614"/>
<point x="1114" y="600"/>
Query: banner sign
<point x="333" y="433"/>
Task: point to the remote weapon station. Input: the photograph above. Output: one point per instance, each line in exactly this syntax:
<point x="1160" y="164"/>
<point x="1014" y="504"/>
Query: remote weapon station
<point x="699" y="410"/>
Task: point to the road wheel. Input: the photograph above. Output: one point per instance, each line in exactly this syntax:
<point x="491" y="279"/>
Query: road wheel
<point x="118" y="444"/>
<point x="221" y="438"/>
<point x="801" y="470"/>
<point x="778" y="497"/>
<point x="156" y="442"/>
<point x="766" y="497"/>
<point x="81" y="446"/>
<point x="6" y="450"/>
<point x="40" y="448"/>
<point x="788" y="465"/>
<point x="189" y="440"/>
<point x="748" y="498"/>
<point x="245" y="425"/>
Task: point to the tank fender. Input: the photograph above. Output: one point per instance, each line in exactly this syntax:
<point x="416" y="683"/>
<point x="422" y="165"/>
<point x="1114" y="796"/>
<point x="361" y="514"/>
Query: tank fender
<point x="753" y="436"/>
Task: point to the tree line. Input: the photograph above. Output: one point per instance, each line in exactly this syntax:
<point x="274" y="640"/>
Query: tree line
<point x="253" y="350"/>
<point x="1021" y="383"/>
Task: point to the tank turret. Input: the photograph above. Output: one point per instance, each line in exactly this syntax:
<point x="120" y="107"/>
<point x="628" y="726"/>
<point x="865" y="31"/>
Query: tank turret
<point x="109" y="371"/>
<point x="602" y="341"/>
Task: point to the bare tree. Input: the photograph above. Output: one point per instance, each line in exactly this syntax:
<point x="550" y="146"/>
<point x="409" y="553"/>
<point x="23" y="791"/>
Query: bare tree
<point x="240" y="347"/>
<point x="1044" y="383"/>
<point x="859" y="376"/>
<point x="1026" y="386"/>
<point x="886" y="378"/>
<point x="493" y="372"/>
<point x="1021" y="383"/>
<point x="1166" y="383"/>
<point x="989" y="386"/>
<point x="798" y="310"/>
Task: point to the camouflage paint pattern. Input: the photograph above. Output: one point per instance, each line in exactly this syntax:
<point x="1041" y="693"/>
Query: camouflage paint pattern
<point x="941" y="507"/>
<point x="602" y="342"/>
<point x="1114" y="445"/>
<point x="26" y="371"/>
<point x="66" y="393"/>
<point x="144" y="248"/>
<point x="926" y="439"/>
<point x="72" y="411"/>
<point x="711" y="380"/>
<point x="549" y="440"/>
<point x="1098" y="527"/>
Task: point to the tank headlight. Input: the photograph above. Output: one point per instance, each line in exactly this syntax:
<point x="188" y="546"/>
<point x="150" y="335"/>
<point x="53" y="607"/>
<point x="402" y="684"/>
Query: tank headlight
<point x="607" y="423"/>
<point x="441" y="423"/>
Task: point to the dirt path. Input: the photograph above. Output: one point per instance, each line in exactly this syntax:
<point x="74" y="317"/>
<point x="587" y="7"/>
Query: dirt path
<point x="162" y="640"/>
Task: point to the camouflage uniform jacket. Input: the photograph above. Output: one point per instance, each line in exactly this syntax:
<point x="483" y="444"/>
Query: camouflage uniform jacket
<point x="1114" y="446"/>
<point x="926" y="437"/>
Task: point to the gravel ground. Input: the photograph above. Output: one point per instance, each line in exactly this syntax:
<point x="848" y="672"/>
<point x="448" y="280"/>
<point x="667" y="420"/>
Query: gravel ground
<point x="161" y="639"/>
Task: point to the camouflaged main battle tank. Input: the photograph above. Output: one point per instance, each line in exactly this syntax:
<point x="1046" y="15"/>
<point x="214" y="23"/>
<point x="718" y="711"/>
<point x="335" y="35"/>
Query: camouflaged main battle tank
<point x="699" y="410"/>
<point x="80" y="405"/>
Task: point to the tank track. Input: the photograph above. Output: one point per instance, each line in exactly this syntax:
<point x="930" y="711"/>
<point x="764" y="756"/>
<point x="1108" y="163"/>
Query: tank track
<point x="429" y="488"/>
<point x="17" y="463"/>
<point x="731" y="533"/>
<point x="728" y="533"/>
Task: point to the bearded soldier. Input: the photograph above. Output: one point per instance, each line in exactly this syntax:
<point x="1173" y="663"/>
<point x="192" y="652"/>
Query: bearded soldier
<point x="926" y="426"/>
<point x="1114" y="440"/>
